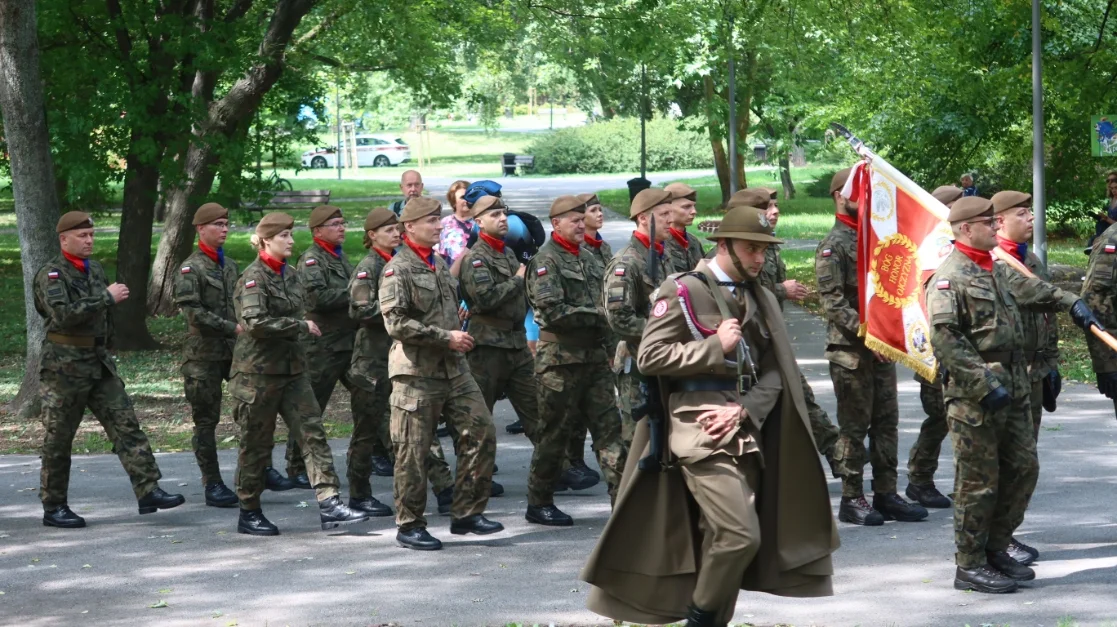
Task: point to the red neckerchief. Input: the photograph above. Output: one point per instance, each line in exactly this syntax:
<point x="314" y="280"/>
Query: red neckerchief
<point x="847" y="220"/>
<point x="424" y="253"/>
<point x="594" y="242"/>
<point x="334" y="250"/>
<point x="81" y="264"/>
<point x="1016" y="249"/>
<point x="983" y="258"/>
<point x="275" y="264"/>
<point x="497" y="244"/>
<point x="209" y="252"/>
<point x="383" y="255"/>
<point x="647" y="242"/>
<point x="567" y="246"/>
<point x="681" y="238"/>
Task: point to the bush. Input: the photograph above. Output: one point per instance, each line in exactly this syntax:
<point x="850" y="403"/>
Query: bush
<point x="614" y="146"/>
<point x="1072" y="218"/>
<point x="820" y="188"/>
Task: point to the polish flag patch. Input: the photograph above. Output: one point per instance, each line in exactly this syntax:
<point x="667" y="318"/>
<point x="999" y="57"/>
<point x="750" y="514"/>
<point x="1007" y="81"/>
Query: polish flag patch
<point x="388" y="273"/>
<point x="311" y="262"/>
<point x="826" y="252"/>
<point x="660" y="308"/>
<point x="52" y="275"/>
<point x="186" y="269"/>
<point x="541" y="271"/>
<point x="362" y="275"/>
<point x="476" y="263"/>
<point x="250" y="283"/>
<point x="942" y="285"/>
<point x="619" y="271"/>
<point x="1110" y="248"/>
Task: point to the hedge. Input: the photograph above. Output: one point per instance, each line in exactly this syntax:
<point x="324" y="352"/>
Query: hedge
<point x="614" y="146"/>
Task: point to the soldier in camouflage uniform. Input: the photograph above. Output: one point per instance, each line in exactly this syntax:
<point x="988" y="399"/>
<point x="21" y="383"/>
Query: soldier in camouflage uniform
<point x="864" y="382"/>
<point x="923" y="460"/>
<point x="270" y="376"/>
<point x="974" y="306"/>
<point x="75" y="299"/>
<point x="492" y="280"/>
<point x="1100" y="293"/>
<point x="628" y="292"/>
<point x="431" y="379"/>
<point x="204" y="293"/>
<point x="564" y="290"/>
<point x="682" y="248"/>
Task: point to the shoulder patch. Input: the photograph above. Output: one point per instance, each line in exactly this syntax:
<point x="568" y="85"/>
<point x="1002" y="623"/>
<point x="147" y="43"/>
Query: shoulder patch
<point x="312" y="262"/>
<point x="476" y="263"/>
<point x="826" y="252"/>
<point x="942" y="285"/>
<point x="1111" y="248"/>
<point x="250" y="283"/>
<point x="362" y="275"/>
<point x="389" y="272"/>
<point x="660" y="308"/>
<point x="185" y="269"/>
<point x="619" y="271"/>
<point x="53" y="275"/>
<point x="541" y="271"/>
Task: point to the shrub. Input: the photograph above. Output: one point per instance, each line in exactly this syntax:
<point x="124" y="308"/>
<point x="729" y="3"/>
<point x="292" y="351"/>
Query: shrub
<point x="1072" y="218"/>
<point x="614" y="146"/>
<point x="820" y="188"/>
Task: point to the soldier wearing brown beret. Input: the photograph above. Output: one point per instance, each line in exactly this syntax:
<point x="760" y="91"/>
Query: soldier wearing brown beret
<point x="682" y="249"/>
<point x="75" y="299"/>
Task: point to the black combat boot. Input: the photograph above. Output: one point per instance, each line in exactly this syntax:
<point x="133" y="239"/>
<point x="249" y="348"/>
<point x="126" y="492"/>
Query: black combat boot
<point x="219" y="495"/>
<point x="158" y="499"/>
<point x="476" y="523"/>
<point x="585" y="470"/>
<point x="333" y="514"/>
<point x="276" y="482"/>
<point x="984" y="578"/>
<point x="382" y="466"/>
<point x="927" y="495"/>
<point x="548" y="515"/>
<point x="302" y="481"/>
<point x="62" y="517"/>
<point x="857" y="511"/>
<point x="516" y="428"/>
<point x="369" y="505"/>
<point x="496" y="489"/>
<point x="700" y="618"/>
<point x="1021" y="552"/>
<point x="574" y="479"/>
<point x="418" y="539"/>
<point x="445" y="500"/>
<point x="893" y="507"/>
<point x="1011" y="568"/>
<point x="253" y="523"/>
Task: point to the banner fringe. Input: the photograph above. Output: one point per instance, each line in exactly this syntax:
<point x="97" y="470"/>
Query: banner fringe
<point x="900" y="357"/>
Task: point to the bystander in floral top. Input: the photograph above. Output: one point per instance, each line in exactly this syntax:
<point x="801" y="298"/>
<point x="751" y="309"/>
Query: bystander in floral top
<point x="455" y="235"/>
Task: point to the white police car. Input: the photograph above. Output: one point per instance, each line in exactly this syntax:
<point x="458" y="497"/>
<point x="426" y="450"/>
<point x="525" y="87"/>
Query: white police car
<point x="372" y="150"/>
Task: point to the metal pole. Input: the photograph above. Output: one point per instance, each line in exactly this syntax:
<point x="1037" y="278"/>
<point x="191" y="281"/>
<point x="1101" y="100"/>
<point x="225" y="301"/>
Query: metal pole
<point x="549" y="98"/>
<point x="643" y="133"/>
<point x="337" y="98"/>
<point x="1039" y="201"/>
<point x="732" y="115"/>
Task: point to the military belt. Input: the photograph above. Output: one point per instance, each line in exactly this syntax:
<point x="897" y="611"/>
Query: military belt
<point x="703" y="385"/>
<point x="1004" y="356"/>
<point x="496" y="323"/>
<point x="579" y="341"/>
<point x="80" y="341"/>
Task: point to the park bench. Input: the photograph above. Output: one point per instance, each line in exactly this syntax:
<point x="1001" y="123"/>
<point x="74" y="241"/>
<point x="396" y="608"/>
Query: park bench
<point x="287" y="197"/>
<point x="510" y="161"/>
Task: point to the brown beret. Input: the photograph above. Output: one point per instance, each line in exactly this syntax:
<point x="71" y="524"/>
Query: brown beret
<point x="771" y="192"/>
<point x="209" y="212"/>
<point x="970" y="207"/>
<point x="647" y="200"/>
<point x="682" y="190"/>
<point x="947" y="194"/>
<point x="744" y="222"/>
<point x="566" y="204"/>
<point x="757" y="197"/>
<point x="839" y="180"/>
<point x="1003" y="201"/>
<point x="486" y="203"/>
<point x="378" y="217"/>
<point x="589" y="199"/>
<point x="321" y="213"/>
<point x="420" y="207"/>
<point x="74" y="220"/>
<point x="271" y="224"/>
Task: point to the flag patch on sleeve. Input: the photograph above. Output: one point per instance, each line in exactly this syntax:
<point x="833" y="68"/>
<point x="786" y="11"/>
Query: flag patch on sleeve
<point x="52" y="275"/>
<point x="942" y="285"/>
<point x="541" y="271"/>
<point x="826" y="252"/>
<point x="250" y="283"/>
<point x="476" y="263"/>
<point x="389" y="272"/>
<point x="619" y="271"/>
<point x="311" y="262"/>
<point x="1111" y="248"/>
<point x="362" y="275"/>
<point x="186" y="269"/>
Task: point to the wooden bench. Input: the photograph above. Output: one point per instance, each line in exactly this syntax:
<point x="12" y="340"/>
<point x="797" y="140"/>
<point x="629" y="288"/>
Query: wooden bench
<point x="509" y="162"/>
<point x="284" y="197"/>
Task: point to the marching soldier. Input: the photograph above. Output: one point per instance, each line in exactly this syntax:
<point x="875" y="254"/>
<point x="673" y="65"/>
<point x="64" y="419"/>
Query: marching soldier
<point x="718" y="343"/>
<point x="628" y="292"/>
<point x="492" y="281"/>
<point x="682" y="248"/>
<point x="1100" y="292"/>
<point x="864" y="382"/>
<point x="564" y="290"/>
<point x="204" y="293"/>
<point x="75" y="299"/>
<point x="923" y="460"/>
<point x="974" y="306"/>
<point x="431" y="379"/>
<point x="270" y="377"/>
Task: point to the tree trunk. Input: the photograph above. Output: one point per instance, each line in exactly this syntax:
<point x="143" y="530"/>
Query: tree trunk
<point x="785" y="178"/>
<point x="744" y="108"/>
<point x="36" y="200"/>
<point x="133" y="255"/>
<point x="721" y="162"/>
<point x="222" y="120"/>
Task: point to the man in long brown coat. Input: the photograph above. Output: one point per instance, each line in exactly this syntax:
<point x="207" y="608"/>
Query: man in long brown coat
<point x="738" y="443"/>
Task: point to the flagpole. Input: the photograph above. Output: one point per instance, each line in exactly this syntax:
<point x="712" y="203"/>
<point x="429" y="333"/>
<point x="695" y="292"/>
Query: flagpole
<point x="1039" y="199"/>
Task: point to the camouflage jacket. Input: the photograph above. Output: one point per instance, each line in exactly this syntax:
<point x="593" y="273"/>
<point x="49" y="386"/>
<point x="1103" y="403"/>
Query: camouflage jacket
<point x="73" y="303"/>
<point x="270" y="306"/>
<point x="679" y="259"/>
<point x="372" y="341"/>
<point x="774" y="273"/>
<point x="325" y="281"/>
<point x="204" y="293"/>
<point x="835" y="266"/>
<point x="976" y="331"/>
<point x="629" y="289"/>
<point x="420" y="308"/>
<point x="565" y="292"/>
<point x="496" y="297"/>
<point x="603" y="253"/>
<point x="1041" y="333"/>
<point x="1100" y="293"/>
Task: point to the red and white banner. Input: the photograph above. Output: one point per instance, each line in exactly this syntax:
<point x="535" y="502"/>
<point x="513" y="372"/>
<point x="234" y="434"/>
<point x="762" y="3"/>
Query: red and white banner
<point x="902" y="237"/>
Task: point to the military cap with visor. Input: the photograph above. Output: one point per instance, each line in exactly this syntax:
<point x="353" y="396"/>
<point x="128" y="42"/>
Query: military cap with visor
<point x="209" y="212"/>
<point x="74" y="220"/>
<point x="274" y="223"/>
<point x="749" y="223"/>
<point x="970" y="207"/>
<point x="647" y="200"/>
<point x="566" y="204"/>
<point x="420" y="207"/>
<point x="1003" y="201"/>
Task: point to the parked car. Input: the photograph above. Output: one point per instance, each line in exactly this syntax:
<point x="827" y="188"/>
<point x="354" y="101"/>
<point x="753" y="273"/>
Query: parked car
<point x="372" y="150"/>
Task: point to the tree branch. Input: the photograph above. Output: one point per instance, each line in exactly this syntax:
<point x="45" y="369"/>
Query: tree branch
<point x="1101" y="29"/>
<point x="320" y="27"/>
<point x="237" y="11"/>
<point x="335" y="63"/>
<point x="123" y="39"/>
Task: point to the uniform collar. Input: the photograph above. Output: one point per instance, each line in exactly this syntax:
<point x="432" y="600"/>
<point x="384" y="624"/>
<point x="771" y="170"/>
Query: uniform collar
<point x="383" y="255"/>
<point x="1016" y="249"/>
<point x="647" y="242"/>
<point x="497" y="244"/>
<point x="82" y="265"/>
<point x="277" y="265"/>
<point x="216" y="254"/>
<point x="422" y="252"/>
<point x="847" y="220"/>
<point x="594" y="242"/>
<point x="983" y="258"/>
<point x="680" y="238"/>
<point x="326" y="246"/>
<point x="565" y="245"/>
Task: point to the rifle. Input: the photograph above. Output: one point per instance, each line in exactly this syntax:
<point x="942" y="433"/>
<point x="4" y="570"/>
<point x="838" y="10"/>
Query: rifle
<point x="652" y="407"/>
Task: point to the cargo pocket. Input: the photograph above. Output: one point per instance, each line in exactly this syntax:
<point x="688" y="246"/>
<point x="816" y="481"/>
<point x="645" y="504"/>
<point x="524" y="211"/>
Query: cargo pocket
<point x="983" y="309"/>
<point x="405" y="417"/>
<point x="242" y="391"/>
<point x="845" y="359"/>
<point x="965" y="412"/>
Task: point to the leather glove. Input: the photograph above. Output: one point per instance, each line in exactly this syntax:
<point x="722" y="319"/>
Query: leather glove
<point x="1107" y="384"/>
<point x="1052" y="386"/>
<point x="995" y="400"/>
<point x="1083" y="317"/>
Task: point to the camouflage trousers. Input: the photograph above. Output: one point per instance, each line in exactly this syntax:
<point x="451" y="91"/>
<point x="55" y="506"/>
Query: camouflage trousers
<point x="995" y="473"/>
<point x="630" y="396"/>
<point x="369" y="390"/>
<point x="64" y="401"/>
<point x="259" y="399"/>
<point x="201" y="381"/>
<point x="867" y="406"/>
<point x="417" y="405"/>
<point x="923" y="460"/>
<point x="567" y="392"/>
<point x="576" y="447"/>
<point x="1036" y="403"/>
<point x="825" y="432"/>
